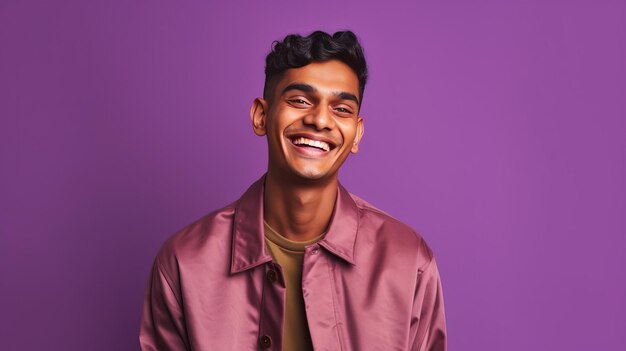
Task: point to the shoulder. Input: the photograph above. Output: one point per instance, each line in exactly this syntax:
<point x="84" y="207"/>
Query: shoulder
<point x="379" y="227"/>
<point x="196" y="239"/>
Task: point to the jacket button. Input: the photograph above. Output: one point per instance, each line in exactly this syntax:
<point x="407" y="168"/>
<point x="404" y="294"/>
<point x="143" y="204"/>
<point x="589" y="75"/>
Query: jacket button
<point x="265" y="341"/>
<point x="271" y="275"/>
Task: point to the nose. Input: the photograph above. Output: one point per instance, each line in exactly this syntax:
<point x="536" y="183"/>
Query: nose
<point x="321" y="118"/>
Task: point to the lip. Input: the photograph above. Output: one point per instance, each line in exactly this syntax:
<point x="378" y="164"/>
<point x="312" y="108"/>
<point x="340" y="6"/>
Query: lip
<point x="310" y="152"/>
<point x="333" y="145"/>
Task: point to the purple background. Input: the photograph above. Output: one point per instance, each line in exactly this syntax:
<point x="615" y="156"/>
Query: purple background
<point x="495" y="128"/>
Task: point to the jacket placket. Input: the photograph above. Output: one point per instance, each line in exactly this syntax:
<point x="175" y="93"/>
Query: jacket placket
<point x="319" y="300"/>
<point x="272" y="309"/>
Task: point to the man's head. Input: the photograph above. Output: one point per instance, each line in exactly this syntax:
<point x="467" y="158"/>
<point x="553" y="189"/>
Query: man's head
<point x="310" y="106"/>
<point x="296" y="51"/>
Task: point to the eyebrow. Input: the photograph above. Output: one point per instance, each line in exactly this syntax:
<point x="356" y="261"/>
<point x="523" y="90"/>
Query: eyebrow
<point x="347" y="96"/>
<point x="299" y="86"/>
<point x="310" y="89"/>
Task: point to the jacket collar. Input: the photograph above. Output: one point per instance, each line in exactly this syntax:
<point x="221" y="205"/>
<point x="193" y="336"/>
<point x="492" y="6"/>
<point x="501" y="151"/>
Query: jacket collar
<point x="248" y="246"/>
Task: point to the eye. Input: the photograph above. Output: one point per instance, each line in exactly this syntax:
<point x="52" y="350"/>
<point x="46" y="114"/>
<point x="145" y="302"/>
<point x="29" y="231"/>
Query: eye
<point x="298" y="102"/>
<point x="343" y="110"/>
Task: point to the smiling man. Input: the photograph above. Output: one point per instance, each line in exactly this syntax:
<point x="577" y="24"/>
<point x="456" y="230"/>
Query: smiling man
<point x="299" y="263"/>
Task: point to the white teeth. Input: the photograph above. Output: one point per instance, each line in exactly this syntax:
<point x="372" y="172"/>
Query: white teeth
<point x="315" y="143"/>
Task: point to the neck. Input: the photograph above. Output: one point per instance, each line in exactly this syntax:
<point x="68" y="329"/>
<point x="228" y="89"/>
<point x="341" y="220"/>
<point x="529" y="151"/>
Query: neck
<point x="299" y="211"/>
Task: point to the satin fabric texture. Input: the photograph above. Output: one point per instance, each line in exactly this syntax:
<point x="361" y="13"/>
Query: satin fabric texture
<point x="371" y="283"/>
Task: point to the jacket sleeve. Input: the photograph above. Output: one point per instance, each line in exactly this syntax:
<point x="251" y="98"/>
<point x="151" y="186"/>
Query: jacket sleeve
<point x="162" y="323"/>
<point x="428" y="323"/>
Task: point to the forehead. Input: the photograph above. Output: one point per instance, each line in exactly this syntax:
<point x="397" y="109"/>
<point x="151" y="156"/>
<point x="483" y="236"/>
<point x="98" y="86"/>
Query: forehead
<point x="328" y="77"/>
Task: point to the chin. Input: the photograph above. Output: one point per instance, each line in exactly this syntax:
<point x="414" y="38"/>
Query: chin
<point x="310" y="173"/>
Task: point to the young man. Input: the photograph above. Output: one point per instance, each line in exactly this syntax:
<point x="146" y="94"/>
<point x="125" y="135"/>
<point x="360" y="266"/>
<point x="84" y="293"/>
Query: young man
<point x="298" y="263"/>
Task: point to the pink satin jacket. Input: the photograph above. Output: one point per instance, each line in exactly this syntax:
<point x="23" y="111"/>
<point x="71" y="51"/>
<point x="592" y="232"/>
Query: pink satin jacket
<point x="371" y="284"/>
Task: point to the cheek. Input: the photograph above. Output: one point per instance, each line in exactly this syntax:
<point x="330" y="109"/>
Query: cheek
<point x="274" y="126"/>
<point x="348" y="130"/>
<point x="279" y="120"/>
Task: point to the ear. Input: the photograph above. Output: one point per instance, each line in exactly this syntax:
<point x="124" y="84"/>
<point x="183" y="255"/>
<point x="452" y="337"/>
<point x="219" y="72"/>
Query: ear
<point x="258" y="116"/>
<point x="359" y="134"/>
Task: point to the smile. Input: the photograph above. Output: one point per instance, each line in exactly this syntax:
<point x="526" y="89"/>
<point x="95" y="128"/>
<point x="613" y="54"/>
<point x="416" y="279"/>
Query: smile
<point x="302" y="141"/>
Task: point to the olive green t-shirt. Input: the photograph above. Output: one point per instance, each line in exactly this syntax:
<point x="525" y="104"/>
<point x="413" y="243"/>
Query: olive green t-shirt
<point x="289" y="255"/>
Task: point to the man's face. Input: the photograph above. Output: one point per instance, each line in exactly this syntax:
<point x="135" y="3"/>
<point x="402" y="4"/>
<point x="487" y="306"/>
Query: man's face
<point x="311" y="120"/>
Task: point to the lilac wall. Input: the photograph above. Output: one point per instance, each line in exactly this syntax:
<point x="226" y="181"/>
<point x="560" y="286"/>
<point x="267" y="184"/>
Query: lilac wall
<point x="496" y="128"/>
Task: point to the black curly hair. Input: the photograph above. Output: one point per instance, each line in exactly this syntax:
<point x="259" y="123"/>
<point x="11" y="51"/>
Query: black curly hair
<point x="297" y="51"/>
